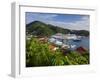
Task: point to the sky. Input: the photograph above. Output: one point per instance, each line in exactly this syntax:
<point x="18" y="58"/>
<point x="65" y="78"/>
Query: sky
<point x="67" y="21"/>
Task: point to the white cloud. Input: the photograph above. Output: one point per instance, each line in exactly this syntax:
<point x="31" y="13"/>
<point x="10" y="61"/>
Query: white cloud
<point x="48" y="16"/>
<point x="40" y="17"/>
<point x="83" y="24"/>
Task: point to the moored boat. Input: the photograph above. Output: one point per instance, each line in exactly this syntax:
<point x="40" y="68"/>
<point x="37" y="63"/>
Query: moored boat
<point x="76" y="40"/>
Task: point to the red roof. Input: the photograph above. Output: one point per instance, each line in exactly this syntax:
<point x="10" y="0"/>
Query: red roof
<point x="81" y="49"/>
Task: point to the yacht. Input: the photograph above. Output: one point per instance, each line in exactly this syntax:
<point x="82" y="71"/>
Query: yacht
<point x="77" y="39"/>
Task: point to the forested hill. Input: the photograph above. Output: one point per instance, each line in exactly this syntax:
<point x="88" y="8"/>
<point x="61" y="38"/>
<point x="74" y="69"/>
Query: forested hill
<point x="42" y="29"/>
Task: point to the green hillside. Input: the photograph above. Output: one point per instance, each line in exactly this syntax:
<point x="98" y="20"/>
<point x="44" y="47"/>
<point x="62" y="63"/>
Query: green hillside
<point x="42" y="29"/>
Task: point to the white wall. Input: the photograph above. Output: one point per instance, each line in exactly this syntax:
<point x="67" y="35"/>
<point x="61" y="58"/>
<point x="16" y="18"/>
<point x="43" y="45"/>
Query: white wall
<point x="5" y="41"/>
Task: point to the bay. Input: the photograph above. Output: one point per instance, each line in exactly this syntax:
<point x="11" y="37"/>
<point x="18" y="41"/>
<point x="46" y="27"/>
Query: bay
<point x="84" y="42"/>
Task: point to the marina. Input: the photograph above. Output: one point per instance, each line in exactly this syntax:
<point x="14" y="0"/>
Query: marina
<point x="70" y="40"/>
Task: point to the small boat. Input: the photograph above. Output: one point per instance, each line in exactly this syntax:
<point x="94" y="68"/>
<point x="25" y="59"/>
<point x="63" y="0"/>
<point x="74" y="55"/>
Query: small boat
<point x="76" y="40"/>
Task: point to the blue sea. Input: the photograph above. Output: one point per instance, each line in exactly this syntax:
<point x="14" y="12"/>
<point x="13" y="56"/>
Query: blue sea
<point x="84" y="42"/>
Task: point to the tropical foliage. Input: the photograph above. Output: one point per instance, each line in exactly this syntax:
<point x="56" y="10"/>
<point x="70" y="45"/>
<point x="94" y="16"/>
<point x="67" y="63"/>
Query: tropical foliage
<point x="39" y="54"/>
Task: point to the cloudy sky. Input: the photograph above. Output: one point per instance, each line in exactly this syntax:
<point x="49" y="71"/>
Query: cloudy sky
<point x="70" y="21"/>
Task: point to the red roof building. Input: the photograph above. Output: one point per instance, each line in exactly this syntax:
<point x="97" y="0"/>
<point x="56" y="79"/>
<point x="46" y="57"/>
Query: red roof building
<point x="81" y="50"/>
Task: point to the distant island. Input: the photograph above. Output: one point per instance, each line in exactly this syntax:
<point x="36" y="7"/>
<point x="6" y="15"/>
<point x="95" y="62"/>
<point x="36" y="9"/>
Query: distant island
<point x="39" y="28"/>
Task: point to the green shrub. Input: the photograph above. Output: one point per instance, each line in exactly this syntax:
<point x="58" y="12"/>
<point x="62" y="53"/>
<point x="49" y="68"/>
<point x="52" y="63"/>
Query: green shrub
<point x="39" y="54"/>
